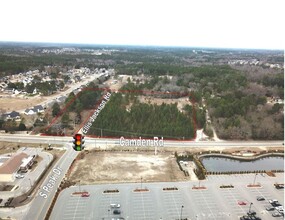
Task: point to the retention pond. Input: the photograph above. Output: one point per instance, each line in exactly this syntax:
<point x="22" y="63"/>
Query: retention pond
<point x="223" y="164"/>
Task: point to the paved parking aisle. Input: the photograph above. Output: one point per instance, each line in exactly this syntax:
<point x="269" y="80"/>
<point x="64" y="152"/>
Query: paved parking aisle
<point x="232" y="197"/>
<point x="103" y="208"/>
<point x="75" y="208"/>
<point x="172" y="201"/>
<point x="207" y="206"/>
<point x="143" y="206"/>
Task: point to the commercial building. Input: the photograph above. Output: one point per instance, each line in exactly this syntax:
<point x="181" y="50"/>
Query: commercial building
<point x="18" y="162"/>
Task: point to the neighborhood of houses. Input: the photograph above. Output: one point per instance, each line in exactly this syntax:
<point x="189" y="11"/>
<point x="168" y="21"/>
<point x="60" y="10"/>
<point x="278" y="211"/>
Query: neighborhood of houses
<point x="254" y="62"/>
<point x="65" y="50"/>
<point x="77" y="79"/>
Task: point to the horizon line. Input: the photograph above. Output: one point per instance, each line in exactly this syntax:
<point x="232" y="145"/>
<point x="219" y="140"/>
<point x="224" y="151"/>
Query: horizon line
<point x="136" y="45"/>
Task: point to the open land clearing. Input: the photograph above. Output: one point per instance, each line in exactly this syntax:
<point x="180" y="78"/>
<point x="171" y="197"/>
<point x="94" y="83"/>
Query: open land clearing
<point x="181" y="102"/>
<point x="114" y="167"/>
<point x="19" y="103"/>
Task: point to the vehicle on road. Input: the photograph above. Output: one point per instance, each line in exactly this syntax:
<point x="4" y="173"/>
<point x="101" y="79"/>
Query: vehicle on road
<point x="85" y="194"/>
<point x="242" y="203"/>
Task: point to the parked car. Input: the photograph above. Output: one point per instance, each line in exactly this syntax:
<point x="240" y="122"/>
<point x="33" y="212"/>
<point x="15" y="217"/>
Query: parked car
<point x="116" y="212"/>
<point x="251" y="212"/>
<point x="269" y="208"/>
<point x="19" y="176"/>
<point x="85" y="194"/>
<point x="115" y="205"/>
<point x="276" y="204"/>
<point x="260" y="198"/>
<point x="245" y="217"/>
<point x="276" y="214"/>
<point x="280" y="209"/>
<point x="241" y="203"/>
<point x="279" y="186"/>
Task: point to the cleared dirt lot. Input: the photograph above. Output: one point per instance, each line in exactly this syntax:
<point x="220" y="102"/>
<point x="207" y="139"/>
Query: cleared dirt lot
<point x="111" y="167"/>
<point x="19" y="104"/>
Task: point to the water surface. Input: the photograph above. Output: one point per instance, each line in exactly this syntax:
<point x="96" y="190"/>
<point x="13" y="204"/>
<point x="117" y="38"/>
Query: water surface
<point x="222" y="164"/>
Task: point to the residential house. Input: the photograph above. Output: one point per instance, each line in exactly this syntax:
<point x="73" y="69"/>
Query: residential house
<point x="12" y="115"/>
<point x="29" y="111"/>
<point x="39" y="109"/>
<point x="36" y="109"/>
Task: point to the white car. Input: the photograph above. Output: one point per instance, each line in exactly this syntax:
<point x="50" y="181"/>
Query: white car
<point x="280" y="209"/>
<point x="19" y="176"/>
<point x="115" y="205"/>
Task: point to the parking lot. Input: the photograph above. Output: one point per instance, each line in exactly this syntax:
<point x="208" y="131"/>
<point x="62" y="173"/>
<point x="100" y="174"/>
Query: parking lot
<point x="210" y="203"/>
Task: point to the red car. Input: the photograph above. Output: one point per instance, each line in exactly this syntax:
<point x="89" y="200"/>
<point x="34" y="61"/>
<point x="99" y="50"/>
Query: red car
<point x="241" y="203"/>
<point x="85" y="194"/>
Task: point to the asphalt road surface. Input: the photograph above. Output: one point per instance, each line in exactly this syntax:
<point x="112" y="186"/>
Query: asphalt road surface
<point x="115" y="141"/>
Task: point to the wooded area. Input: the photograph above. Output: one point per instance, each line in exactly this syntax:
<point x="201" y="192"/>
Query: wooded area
<point x="142" y="120"/>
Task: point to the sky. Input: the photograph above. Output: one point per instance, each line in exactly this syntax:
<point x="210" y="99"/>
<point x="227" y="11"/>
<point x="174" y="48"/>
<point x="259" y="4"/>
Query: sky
<point x="192" y="23"/>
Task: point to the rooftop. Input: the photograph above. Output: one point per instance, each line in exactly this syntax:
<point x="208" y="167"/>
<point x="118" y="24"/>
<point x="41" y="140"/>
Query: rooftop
<point x="12" y="165"/>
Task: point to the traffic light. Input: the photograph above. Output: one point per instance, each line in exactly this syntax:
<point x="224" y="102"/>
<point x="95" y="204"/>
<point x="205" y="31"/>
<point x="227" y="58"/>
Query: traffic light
<point x="78" y="142"/>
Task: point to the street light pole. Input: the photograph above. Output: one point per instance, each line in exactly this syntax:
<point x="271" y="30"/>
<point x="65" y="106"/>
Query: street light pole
<point x="181" y="212"/>
<point x="250" y="207"/>
<point x="254" y="178"/>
